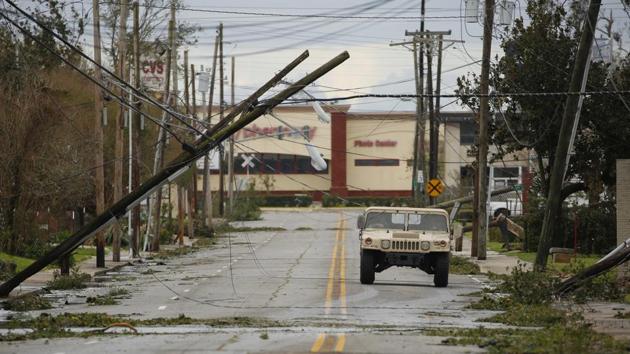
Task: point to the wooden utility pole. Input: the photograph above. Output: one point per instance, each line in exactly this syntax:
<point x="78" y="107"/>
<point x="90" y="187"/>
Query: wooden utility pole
<point x="182" y="194"/>
<point x="99" y="178"/>
<point x="571" y="113"/>
<point x="135" y="123"/>
<point x="158" y="161"/>
<point x="192" y="189"/>
<point x="119" y="124"/>
<point x="484" y="113"/>
<point x="418" y="40"/>
<point x="421" y="119"/>
<point x="415" y="185"/>
<point x="432" y="138"/>
<point x="221" y="113"/>
<point x="207" y="191"/>
<point x="437" y="119"/>
<point x="186" y="82"/>
<point x="231" y="150"/>
<point x="175" y="71"/>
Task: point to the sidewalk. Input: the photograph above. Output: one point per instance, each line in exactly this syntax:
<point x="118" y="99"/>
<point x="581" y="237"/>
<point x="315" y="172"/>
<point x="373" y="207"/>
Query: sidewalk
<point x="495" y="262"/>
<point x="88" y="266"/>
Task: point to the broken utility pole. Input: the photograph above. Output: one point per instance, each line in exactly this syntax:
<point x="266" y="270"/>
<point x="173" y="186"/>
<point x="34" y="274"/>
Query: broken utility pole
<point x="212" y="138"/>
<point x="571" y="113"/>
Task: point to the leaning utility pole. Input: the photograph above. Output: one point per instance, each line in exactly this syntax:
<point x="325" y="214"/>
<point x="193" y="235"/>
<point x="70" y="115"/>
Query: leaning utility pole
<point x="207" y="191"/>
<point x="99" y="178"/>
<point x="119" y="125"/>
<point x="221" y="112"/>
<point x="134" y="124"/>
<point x="571" y="113"/>
<point x="231" y="152"/>
<point x="251" y="109"/>
<point x="484" y="113"/>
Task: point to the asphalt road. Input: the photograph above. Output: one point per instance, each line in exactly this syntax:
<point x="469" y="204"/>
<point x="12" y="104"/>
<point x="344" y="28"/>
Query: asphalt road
<point x="307" y="278"/>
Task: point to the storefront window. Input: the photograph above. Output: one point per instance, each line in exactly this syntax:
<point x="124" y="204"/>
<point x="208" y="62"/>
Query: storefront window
<point x="278" y="164"/>
<point x="376" y="162"/>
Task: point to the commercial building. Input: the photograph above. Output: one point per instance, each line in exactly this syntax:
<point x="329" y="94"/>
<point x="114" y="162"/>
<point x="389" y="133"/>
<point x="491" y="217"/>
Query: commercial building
<point x="367" y="154"/>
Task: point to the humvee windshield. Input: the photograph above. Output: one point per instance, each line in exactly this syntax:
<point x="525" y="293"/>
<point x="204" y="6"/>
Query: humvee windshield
<point x="406" y="221"/>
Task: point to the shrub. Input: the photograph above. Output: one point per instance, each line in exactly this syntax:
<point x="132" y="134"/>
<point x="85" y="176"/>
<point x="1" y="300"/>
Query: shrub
<point x="287" y="200"/>
<point x="75" y="280"/>
<point x="7" y="270"/>
<point x="28" y="302"/>
<point x="247" y="206"/>
<point x="596" y="233"/>
<point x="528" y="287"/>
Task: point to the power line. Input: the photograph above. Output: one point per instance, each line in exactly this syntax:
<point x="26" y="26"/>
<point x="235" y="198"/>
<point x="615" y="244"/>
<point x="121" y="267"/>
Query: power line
<point x="135" y="90"/>
<point x="467" y="95"/>
<point x="101" y="85"/>
<point x="276" y="14"/>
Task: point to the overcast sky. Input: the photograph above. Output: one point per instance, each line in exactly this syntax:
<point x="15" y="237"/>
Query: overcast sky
<point x="263" y="41"/>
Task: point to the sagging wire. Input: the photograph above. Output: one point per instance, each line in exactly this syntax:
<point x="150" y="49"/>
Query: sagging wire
<point x="137" y="92"/>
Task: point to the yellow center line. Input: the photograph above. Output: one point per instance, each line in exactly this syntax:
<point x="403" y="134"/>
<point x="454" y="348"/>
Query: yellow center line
<point x="337" y="264"/>
<point x="319" y="342"/>
<point x="331" y="276"/>
<point x="341" y="342"/>
<point x="342" y="271"/>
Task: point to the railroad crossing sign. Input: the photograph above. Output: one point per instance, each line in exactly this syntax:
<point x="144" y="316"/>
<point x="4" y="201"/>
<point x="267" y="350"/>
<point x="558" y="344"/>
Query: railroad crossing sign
<point x="247" y="161"/>
<point x="434" y="187"/>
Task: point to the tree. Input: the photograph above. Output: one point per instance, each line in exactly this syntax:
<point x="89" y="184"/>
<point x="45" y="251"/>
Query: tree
<point x="538" y="57"/>
<point x="43" y="142"/>
<point x="154" y="17"/>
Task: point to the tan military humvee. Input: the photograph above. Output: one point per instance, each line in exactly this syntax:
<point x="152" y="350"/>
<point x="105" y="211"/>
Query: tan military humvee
<point x="405" y="237"/>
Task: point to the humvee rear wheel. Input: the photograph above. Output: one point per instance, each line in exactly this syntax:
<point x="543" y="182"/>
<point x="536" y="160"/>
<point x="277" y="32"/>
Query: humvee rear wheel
<point x="367" y="267"/>
<point x="440" y="278"/>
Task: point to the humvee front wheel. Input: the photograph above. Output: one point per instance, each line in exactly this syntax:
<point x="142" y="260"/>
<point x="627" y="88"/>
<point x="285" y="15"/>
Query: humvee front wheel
<point x="367" y="267"/>
<point x="440" y="278"/>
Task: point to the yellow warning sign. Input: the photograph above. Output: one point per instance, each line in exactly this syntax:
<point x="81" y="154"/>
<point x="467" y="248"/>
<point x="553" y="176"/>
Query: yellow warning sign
<point x="434" y="187"/>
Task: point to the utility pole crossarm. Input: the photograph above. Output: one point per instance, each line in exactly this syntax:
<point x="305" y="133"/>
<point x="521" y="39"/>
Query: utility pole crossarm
<point x="428" y="33"/>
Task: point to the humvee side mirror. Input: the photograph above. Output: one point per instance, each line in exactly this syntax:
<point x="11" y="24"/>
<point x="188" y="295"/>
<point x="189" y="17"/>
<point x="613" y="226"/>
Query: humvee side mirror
<point x="360" y="221"/>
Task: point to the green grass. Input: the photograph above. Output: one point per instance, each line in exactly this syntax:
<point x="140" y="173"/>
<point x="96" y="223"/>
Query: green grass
<point x="21" y="262"/>
<point x="587" y="260"/>
<point x="83" y="253"/>
<point x="79" y="255"/>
